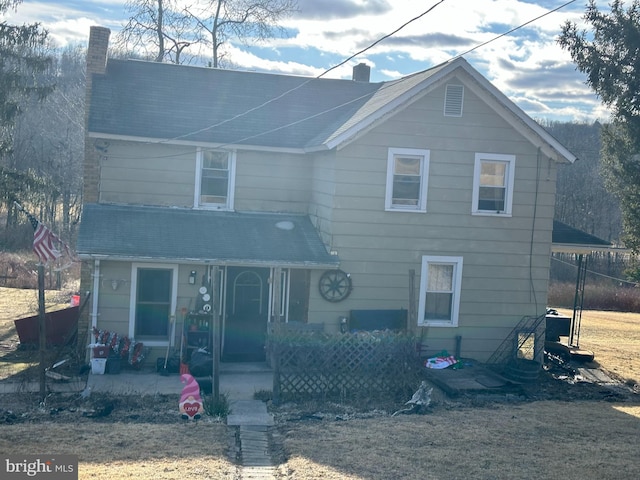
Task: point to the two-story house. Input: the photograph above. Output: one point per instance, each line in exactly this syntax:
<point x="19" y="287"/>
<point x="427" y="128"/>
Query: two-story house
<point x="313" y="197"/>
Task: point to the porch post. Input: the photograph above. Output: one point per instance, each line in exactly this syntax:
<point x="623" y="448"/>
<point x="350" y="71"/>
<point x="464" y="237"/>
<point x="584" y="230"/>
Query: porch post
<point x="215" y="304"/>
<point x="277" y="276"/>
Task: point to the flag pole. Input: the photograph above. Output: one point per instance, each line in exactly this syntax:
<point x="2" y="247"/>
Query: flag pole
<point x="42" y="332"/>
<point x="42" y="324"/>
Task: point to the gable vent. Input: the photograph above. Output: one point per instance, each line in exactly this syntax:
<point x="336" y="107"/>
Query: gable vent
<point x="454" y="97"/>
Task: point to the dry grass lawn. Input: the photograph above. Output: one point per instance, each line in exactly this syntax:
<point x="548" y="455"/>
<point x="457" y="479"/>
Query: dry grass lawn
<point x="542" y="440"/>
<point x="116" y="450"/>
<point x="455" y="440"/>
<point x="614" y="337"/>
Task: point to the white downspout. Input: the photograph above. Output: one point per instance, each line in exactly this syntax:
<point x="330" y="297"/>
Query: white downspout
<point x="94" y="306"/>
<point x="96" y="292"/>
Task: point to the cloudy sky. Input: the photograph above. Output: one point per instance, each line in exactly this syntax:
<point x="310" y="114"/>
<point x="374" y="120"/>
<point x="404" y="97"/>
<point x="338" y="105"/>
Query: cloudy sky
<point x="527" y="65"/>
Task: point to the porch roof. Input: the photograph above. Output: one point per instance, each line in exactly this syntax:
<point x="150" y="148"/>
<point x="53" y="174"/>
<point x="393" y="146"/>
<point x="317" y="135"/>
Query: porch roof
<point x="137" y="233"/>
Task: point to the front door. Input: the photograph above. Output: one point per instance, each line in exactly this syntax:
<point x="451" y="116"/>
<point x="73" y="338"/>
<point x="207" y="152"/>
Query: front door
<point x="247" y="310"/>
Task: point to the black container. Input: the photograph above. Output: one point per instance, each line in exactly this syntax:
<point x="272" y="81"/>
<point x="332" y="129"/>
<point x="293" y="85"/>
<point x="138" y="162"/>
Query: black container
<point x="113" y="365"/>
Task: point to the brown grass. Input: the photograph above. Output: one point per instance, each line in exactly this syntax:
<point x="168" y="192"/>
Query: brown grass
<point x="614" y="337"/>
<point x="498" y="440"/>
<point x="120" y="450"/>
<point x="543" y="440"/>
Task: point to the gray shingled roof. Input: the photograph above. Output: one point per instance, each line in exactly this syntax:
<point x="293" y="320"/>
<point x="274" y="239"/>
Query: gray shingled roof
<point x="180" y="234"/>
<point x="568" y="239"/>
<point x="228" y="107"/>
<point x="156" y="100"/>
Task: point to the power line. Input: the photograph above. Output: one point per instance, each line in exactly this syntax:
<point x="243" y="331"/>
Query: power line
<point x="381" y="39"/>
<point x="512" y="30"/>
<point x="287" y="92"/>
<point x="595" y="273"/>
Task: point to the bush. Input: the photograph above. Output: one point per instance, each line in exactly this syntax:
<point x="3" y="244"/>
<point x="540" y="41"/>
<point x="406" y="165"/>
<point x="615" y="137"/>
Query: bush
<point x="216" y="408"/>
<point x="597" y="296"/>
<point x="21" y="270"/>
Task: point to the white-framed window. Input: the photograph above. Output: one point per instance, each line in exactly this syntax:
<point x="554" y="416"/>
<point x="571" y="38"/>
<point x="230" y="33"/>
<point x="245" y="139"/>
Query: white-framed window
<point x="493" y="180"/>
<point x="153" y="302"/>
<point x="215" y="179"/>
<point x="440" y="284"/>
<point x="407" y="175"/>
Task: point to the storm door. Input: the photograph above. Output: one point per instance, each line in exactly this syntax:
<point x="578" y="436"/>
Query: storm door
<point x="247" y="311"/>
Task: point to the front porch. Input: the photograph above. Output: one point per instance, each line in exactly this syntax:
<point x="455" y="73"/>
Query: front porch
<point x="239" y="381"/>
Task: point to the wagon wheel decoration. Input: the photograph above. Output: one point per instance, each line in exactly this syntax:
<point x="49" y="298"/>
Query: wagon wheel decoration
<point x="335" y="285"/>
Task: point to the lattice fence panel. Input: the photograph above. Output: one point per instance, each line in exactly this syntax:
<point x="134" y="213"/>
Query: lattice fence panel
<point x="319" y="365"/>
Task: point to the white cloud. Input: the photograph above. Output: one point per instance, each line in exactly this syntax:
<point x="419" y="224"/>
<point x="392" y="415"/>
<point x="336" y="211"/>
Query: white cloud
<point x="527" y="64"/>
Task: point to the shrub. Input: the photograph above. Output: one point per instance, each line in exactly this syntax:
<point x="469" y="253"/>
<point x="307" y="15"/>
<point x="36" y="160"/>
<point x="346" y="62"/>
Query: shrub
<point x="597" y="296"/>
<point x="216" y="408"/>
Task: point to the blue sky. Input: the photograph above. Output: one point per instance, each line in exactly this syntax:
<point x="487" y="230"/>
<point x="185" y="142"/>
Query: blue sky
<point x="527" y="65"/>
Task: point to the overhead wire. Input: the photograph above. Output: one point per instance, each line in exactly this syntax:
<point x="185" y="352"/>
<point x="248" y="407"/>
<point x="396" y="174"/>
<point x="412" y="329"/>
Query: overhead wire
<point x="595" y="273"/>
<point x="297" y="87"/>
<point x="513" y="30"/>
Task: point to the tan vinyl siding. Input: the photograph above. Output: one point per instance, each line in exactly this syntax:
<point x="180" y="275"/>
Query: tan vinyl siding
<point x="113" y="306"/>
<point x="275" y="182"/>
<point x="379" y="248"/>
<point x="323" y="184"/>
<point x="147" y="174"/>
<point x="165" y="176"/>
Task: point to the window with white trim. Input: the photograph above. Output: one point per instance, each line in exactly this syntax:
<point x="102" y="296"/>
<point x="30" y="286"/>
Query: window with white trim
<point x="440" y="284"/>
<point x="153" y="297"/>
<point x="407" y="174"/>
<point x="215" y="179"/>
<point x="493" y="180"/>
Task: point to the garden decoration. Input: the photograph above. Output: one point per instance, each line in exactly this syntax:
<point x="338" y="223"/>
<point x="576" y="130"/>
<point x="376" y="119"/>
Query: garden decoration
<point x="191" y="406"/>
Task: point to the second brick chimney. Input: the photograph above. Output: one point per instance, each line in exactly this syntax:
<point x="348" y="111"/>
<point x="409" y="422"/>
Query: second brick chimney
<point x="361" y="72"/>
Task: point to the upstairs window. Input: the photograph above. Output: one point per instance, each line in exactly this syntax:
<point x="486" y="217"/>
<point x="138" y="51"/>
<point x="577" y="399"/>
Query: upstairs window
<point x="215" y="179"/>
<point x="493" y="184"/>
<point x="407" y="173"/>
<point x="440" y="284"/>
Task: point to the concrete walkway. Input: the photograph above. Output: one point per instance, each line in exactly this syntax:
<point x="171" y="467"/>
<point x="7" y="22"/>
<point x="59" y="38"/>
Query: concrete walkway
<point x="252" y="421"/>
<point x="239" y="381"/>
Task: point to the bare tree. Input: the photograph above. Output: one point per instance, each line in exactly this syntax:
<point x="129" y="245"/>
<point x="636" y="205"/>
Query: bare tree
<point x="582" y="200"/>
<point x="249" y="21"/>
<point x="157" y="25"/>
<point x="170" y="29"/>
<point x="48" y="144"/>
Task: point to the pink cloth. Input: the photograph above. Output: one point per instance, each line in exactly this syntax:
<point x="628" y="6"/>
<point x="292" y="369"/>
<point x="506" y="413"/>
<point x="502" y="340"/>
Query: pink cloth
<point x="440" y="362"/>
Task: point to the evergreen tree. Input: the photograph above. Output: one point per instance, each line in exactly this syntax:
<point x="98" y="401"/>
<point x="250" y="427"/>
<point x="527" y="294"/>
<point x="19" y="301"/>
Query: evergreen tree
<point x="609" y="54"/>
<point x="21" y="60"/>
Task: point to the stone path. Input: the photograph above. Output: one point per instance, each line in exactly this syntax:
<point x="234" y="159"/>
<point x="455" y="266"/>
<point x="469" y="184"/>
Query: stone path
<point x="253" y="422"/>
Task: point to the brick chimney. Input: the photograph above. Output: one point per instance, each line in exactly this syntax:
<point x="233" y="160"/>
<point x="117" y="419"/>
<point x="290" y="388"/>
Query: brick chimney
<point x="361" y="72"/>
<point x="96" y="65"/>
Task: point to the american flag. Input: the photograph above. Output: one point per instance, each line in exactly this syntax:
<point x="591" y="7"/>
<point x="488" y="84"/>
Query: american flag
<point x="44" y="241"/>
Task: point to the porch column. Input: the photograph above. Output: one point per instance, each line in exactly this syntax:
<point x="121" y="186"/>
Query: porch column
<point x="275" y="360"/>
<point x="215" y="305"/>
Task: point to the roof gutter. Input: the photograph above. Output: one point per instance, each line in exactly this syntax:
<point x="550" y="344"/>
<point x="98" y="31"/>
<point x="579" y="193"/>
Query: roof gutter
<point x="210" y="261"/>
<point x="185" y="143"/>
<point x="585" y="248"/>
